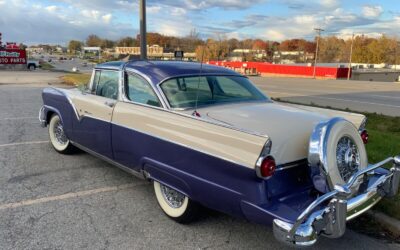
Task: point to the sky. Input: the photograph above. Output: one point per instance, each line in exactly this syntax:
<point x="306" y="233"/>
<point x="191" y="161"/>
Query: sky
<point x="58" y="21"/>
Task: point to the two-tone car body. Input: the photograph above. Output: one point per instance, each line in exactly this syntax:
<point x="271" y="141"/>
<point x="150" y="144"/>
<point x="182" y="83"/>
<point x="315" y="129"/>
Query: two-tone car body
<point x="205" y="135"/>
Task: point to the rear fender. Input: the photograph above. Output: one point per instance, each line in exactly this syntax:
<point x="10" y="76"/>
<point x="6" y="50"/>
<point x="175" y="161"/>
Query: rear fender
<point x="166" y="175"/>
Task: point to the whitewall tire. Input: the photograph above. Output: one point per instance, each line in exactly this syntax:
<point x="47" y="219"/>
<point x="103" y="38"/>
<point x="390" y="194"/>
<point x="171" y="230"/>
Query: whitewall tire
<point x="58" y="139"/>
<point x="175" y="205"/>
<point x="347" y="153"/>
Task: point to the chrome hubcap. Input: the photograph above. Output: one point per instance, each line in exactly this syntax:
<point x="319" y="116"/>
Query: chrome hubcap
<point x="59" y="133"/>
<point x="172" y="197"/>
<point x="348" y="157"/>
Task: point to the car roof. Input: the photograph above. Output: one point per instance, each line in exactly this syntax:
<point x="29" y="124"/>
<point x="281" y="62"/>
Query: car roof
<point x="158" y="71"/>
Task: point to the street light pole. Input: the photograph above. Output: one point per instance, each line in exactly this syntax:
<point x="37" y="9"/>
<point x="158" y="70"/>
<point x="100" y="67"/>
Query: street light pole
<point x="351" y="55"/>
<point x="143" y="41"/>
<point x="318" y="30"/>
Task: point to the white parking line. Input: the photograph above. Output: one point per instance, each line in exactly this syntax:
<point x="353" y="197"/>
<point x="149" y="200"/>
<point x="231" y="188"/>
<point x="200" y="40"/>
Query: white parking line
<point x="68" y="196"/>
<point x="22" y="143"/>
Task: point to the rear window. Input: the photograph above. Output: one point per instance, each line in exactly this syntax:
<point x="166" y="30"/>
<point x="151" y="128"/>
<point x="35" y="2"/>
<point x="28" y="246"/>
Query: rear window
<point x="184" y="92"/>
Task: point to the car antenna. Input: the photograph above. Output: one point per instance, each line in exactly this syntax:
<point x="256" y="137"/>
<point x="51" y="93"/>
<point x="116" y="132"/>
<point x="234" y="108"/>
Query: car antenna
<point x="195" y="113"/>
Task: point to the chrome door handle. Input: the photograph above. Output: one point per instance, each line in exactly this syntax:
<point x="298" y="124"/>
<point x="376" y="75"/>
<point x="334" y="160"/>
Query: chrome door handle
<point x="110" y="104"/>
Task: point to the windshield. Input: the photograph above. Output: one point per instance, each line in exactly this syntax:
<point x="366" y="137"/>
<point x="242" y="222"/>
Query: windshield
<point x="183" y="92"/>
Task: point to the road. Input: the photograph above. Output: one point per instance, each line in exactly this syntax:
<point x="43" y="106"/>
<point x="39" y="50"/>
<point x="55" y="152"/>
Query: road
<point x="379" y="97"/>
<point x="53" y="201"/>
<point x="65" y="65"/>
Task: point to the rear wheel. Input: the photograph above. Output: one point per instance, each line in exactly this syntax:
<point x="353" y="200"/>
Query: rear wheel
<point x="58" y="138"/>
<point x="176" y="205"/>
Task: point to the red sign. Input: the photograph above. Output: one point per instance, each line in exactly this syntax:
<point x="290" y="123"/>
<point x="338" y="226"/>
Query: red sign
<point x="12" y="56"/>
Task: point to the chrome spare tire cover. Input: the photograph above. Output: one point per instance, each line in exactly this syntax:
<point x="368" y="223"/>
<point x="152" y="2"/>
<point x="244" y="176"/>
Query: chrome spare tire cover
<point x="336" y="152"/>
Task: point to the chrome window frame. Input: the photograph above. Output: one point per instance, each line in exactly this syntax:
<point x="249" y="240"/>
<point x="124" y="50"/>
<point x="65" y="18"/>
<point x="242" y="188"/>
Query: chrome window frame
<point x="123" y="92"/>
<point x="93" y="92"/>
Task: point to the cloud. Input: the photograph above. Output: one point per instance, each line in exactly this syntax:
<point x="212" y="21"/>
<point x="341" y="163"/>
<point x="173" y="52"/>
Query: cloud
<point x="51" y="8"/>
<point x="311" y="6"/>
<point x="107" y="18"/>
<point x="56" y="25"/>
<point x="336" y="22"/>
<point x="370" y="11"/>
<point x="58" y="21"/>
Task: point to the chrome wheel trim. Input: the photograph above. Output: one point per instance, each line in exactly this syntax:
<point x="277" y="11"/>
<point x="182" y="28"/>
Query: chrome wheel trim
<point x="347" y="157"/>
<point x="59" y="134"/>
<point x="173" y="198"/>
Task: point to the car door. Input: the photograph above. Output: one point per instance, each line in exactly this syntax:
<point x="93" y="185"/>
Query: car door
<point x="139" y="97"/>
<point x="95" y="107"/>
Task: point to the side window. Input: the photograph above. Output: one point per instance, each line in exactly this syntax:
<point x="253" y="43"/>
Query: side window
<point x="138" y="90"/>
<point x="95" y="81"/>
<point x="105" y="83"/>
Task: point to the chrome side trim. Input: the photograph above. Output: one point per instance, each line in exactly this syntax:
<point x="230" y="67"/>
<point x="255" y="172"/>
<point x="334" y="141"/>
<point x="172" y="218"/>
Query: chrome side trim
<point x="291" y="165"/>
<point x="140" y="175"/>
<point x="363" y="125"/>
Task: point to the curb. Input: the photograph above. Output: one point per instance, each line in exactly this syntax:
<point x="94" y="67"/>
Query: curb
<point x="387" y="222"/>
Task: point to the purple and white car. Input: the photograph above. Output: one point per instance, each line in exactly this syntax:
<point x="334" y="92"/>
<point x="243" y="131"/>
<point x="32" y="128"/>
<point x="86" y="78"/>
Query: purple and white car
<point x="210" y="138"/>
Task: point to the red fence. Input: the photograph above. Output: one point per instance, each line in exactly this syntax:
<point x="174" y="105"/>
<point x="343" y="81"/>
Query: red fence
<point x="286" y="70"/>
<point x="12" y="56"/>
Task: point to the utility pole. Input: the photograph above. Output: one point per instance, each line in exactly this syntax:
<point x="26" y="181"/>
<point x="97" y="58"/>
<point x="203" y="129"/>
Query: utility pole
<point x="318" y="30"/>
<point x="395" y="57"/>
<point x="143" y="32"/>
<point x="351" y="55"/>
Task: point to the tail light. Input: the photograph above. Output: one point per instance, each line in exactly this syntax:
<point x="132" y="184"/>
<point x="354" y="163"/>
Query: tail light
<point x="266" y="167"/>
<point x="364" y="136"/>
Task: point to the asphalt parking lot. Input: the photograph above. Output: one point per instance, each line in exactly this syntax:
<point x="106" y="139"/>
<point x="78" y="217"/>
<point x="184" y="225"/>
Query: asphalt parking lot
<point x="53" y="201"/>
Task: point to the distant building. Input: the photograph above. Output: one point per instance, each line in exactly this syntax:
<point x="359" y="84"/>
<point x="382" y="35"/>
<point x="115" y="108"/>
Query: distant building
<point x="35" y="50"/>
<point x="153" y="51"/>
<point x="239" y="55"/>
<point x="291" y="57"/>
<point x="91" y="50"/>
<point x="60" y="49"/>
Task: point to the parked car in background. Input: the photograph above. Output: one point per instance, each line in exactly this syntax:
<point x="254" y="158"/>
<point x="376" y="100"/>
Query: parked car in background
<point x="32" y="64"/>
<point x="206" y="136"/>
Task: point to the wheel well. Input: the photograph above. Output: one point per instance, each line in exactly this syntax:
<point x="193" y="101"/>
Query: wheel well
<point x="49" y="115"/>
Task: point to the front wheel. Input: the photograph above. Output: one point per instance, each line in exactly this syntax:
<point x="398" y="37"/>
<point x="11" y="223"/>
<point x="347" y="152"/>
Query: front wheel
<point x="58" y="138"/>
<point x="176" y="205"/>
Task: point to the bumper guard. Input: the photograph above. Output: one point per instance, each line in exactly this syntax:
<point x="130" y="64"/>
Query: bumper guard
<point x="341" y="207"/>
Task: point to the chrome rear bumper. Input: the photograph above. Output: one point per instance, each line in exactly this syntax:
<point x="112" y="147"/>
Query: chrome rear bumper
<point x="330" y="221"/>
